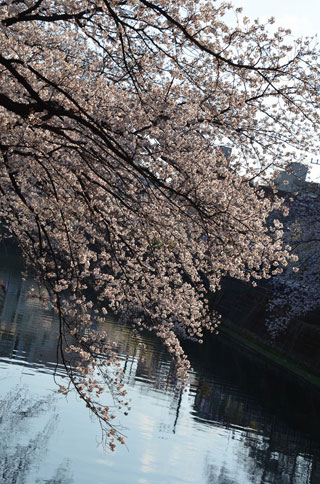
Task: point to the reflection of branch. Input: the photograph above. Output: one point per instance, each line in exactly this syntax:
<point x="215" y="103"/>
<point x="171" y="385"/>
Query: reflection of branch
<point x="17" y="459"/>
<point x="177" y="411"/>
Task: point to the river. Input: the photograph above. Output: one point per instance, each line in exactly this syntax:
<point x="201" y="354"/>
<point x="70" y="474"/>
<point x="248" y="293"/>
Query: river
<point x="239" y="420"/>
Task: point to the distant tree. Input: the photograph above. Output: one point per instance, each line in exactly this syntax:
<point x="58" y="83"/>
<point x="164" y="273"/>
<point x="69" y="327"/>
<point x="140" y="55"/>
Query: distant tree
<point x="113" y="179"/>
<point x="296" y="292"/>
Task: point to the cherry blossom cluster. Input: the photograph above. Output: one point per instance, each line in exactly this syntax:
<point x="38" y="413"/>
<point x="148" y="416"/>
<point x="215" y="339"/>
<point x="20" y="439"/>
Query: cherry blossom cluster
<point x="296" y="291"/>
<point x="113" y="175"/>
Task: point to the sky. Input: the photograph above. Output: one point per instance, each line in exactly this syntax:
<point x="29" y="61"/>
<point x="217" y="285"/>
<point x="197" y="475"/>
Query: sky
<point x="301" y="16"/>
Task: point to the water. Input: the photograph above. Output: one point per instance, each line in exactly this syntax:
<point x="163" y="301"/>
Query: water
<point x="240" y="421"/>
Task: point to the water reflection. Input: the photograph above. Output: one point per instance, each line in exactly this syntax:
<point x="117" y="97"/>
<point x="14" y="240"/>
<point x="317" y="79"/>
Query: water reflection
<point x="19" y="457"/>
<point x="279" y="436"/>
<point x="240" y="421"/>
<point x="28" y="328"/>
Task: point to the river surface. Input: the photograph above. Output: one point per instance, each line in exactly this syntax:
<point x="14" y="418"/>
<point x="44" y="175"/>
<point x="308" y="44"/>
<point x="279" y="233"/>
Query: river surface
<point x="240" y="421"/>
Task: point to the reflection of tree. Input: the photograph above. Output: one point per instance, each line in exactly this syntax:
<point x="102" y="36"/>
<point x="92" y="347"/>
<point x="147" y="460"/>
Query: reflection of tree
<point x="23" y="444"/>
<point x="216" y="475"/>
<point x="60" y="477"/>
<point x="268" y="448"/>
<point x="262" y="464"/>
<point x="223" y="405"/>
<point x="144" y="358"/>
<point x="27" y="327"/>
<point x="282" y="457"/>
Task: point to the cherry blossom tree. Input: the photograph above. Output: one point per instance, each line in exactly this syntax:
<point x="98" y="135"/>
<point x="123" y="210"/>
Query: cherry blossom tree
<point x="113" y="179"/>
<point x="296" y="292"/>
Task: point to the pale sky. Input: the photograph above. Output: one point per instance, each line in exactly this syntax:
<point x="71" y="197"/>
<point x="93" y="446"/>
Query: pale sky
<point x="301" y="16"/>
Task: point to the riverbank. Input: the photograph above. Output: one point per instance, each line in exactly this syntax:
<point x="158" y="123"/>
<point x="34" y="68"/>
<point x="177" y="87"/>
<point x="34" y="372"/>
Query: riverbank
<point x="255" y="344"/>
